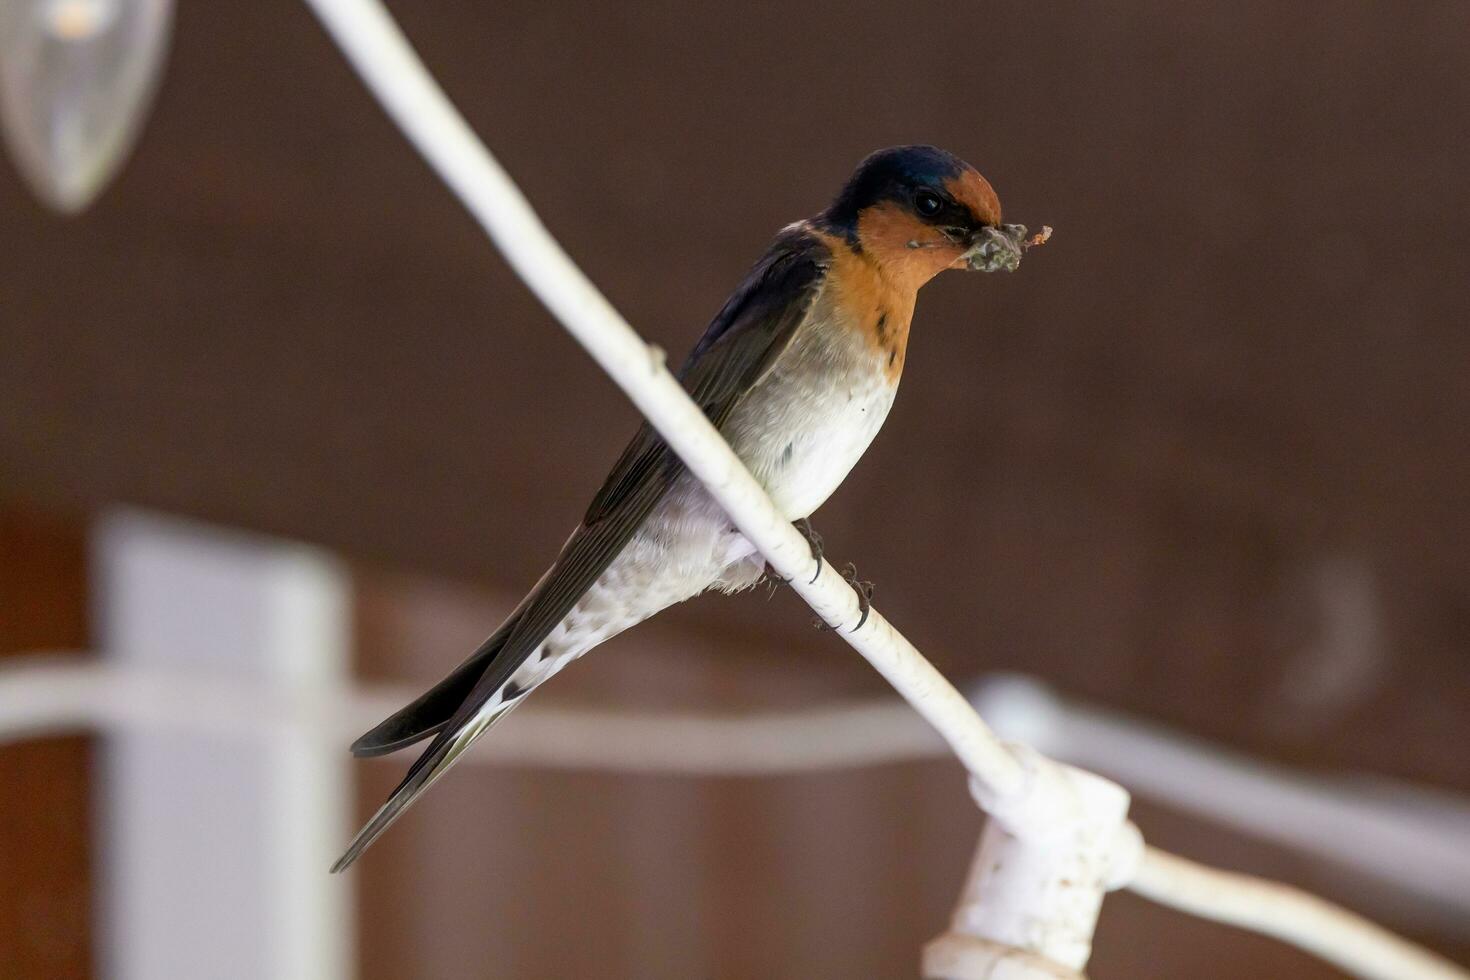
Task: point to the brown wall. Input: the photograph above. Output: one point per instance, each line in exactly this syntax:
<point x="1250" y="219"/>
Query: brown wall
<point x="45" y="821"/>
<point x="1202" y="459"/>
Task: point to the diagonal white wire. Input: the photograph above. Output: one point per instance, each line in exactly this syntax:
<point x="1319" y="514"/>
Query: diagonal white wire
<point x="388" y="65"/>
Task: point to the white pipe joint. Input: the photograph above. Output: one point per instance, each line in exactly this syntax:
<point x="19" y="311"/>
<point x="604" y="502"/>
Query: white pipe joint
<point x="1047" y="856"/>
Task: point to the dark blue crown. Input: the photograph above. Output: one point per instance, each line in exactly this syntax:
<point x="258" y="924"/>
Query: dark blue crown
<point x="891" y="174"/>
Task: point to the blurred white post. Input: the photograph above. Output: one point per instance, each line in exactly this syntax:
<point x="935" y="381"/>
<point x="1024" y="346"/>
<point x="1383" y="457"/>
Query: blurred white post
<point x="214" y="848"/>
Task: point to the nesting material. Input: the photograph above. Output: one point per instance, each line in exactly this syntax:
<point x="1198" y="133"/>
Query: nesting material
<point x="1002" y="248"/>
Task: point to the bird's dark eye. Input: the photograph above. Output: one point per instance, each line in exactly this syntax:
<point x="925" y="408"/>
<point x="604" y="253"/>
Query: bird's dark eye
<point x="928" y="203"/>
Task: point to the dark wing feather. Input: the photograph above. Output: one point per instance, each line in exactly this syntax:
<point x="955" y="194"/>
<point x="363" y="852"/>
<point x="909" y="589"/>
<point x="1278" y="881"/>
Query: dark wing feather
<point x="739" y="346"/>
<point x="584" y="558"/>
<point x="748" y="334"/>
<point x="429" y="712"/>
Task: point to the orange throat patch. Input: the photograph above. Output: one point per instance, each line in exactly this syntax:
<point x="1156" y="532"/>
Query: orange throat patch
<point x="877" y="302"/>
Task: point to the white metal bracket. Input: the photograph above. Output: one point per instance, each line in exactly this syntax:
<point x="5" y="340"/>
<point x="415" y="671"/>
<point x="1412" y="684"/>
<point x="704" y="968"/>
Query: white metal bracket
<point x="1047" y="857"/>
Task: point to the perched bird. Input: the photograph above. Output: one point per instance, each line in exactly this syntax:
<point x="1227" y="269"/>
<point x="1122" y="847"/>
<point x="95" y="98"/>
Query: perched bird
<point x="797" y="371"/>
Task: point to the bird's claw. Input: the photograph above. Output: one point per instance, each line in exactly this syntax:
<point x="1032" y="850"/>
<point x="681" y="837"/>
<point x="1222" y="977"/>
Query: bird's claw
<point x="864" y="590"/>
<point x="814" y="541"/>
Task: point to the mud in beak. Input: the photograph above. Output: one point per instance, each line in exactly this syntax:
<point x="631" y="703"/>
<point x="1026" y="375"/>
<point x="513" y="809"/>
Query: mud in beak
<point x="996" y="249"/>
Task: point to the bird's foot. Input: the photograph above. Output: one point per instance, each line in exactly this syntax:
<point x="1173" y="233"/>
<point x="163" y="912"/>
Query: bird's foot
<point x="814" y="541"/>
<point x="864" y="590"/>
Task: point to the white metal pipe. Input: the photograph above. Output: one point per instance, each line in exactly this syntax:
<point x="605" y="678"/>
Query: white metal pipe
<point x="1391" y="831"/>
<point x="56" y="693"/>
<point x="1362" y="948"/>
<point x="49" y="694"/>
<point x="1395" y="835"/>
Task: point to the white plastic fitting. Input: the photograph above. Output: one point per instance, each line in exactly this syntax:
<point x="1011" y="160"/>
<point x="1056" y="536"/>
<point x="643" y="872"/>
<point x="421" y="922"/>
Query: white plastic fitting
<point x="1047" y="857"/>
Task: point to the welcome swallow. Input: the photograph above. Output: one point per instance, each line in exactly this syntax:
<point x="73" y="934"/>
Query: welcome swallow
<point x="797" y="371"/>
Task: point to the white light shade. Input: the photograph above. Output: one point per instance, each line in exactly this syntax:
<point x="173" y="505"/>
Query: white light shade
<point x="76" y="78"/>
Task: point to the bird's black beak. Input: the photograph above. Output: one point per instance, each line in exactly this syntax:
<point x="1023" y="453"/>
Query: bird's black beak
<point x="993" y="249"/>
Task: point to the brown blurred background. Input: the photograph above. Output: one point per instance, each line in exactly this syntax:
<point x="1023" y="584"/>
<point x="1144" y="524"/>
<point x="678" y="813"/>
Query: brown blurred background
<point x="1222" y="412"/>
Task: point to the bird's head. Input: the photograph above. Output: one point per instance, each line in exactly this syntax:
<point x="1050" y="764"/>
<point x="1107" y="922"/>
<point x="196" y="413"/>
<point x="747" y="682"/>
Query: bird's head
<point x="918" y="210"/>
